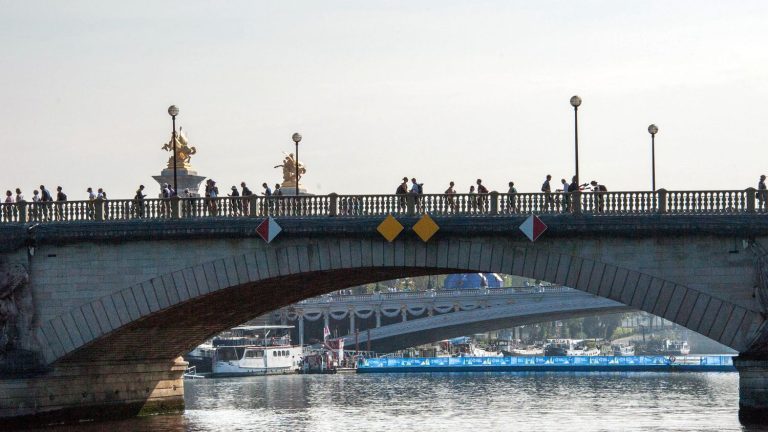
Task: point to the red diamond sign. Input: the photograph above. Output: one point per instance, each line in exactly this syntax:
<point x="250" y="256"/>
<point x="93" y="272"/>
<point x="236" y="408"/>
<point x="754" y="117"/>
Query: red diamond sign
<point x="268" y="229"/>
<point x="533" y="227"/>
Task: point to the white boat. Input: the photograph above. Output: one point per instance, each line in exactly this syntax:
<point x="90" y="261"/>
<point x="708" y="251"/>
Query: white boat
<point x="262" y="354"/>
<point x="527" y="351"/>
<point x="676" y="347"/>
<point x="569" y="347"/>
<point x="623" y="350"/>
<point x="583" y="350"/>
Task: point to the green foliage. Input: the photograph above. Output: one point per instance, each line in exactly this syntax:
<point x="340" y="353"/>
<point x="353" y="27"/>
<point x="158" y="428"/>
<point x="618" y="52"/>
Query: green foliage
<point x="621" y="332"/>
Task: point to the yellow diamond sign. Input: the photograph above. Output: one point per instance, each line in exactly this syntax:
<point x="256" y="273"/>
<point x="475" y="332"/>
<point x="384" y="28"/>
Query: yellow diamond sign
<point x="425" y="228"/>
<point x="390" y="228"/>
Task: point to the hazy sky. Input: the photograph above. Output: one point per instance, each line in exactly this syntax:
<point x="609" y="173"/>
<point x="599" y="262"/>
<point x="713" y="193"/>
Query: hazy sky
<point x="441" y="90"/>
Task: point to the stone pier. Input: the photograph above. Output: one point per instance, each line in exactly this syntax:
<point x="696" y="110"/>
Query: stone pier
<point x="76" y="392"/>
<point x="753" y="389"/>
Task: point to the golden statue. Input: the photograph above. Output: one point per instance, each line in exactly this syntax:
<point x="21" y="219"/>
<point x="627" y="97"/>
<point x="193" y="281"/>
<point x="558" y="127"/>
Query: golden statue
<point x="183" y="151"/>
<point x="289" y="170"/>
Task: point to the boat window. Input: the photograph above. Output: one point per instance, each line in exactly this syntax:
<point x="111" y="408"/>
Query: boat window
<point x="240" y="352"/>
<point x="226" y="354"/>
<point x="254" y="354"/>
<point x="274" y="353"/>
<point x="285" y="353"/>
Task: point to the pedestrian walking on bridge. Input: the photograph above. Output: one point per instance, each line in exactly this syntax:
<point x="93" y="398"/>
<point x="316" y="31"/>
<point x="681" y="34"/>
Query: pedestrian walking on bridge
<point x="450" y="200"/>
<point x="511" y="197"/>
<point x="46" y="200"/>
<point x="547" y="190"/>
<point x="61" y="197"/>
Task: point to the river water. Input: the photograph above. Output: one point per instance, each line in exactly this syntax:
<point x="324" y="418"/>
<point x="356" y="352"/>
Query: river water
<point x="542" y="401"/>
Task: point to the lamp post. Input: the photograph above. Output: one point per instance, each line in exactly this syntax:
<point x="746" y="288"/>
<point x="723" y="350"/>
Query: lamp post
<point x="575" y="102"/>
<point x="653" y="130"/>
<point x="296" y="138"/>
<point x="173" y="111"/>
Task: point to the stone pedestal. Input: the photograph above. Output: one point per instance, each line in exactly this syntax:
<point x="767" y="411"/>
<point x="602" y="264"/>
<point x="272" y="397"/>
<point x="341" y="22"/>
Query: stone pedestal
<point x="185" y="179"/>
<point x="753" y="390"/>
<point x="290" y="190"/>
<point x="71" y="393"/>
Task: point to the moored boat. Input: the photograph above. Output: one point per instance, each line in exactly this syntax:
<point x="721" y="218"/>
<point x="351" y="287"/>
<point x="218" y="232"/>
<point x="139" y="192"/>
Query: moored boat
<point x="623" y="350"/>
<point x="261" y="354"/>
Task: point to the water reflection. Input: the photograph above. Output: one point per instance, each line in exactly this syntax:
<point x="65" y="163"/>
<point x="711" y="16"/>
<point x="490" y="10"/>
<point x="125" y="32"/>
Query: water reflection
<point x="454" y="401"/>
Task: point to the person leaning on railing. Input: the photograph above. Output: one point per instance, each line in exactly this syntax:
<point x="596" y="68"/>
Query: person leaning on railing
<point x="401" y="191"/>
<point x="599" y="192"/>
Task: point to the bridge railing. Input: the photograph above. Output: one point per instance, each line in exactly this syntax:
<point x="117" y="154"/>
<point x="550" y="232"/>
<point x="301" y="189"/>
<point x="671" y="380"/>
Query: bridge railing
<point x="480" y="205"/>
<point x="446" y="293"/>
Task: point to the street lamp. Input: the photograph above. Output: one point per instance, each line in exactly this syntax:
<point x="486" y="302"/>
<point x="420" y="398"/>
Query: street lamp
<point x="296" y="138"/>
<point x="173" y="111"/>
<point x="575" y="102"/>
<point x="653" y="130"/>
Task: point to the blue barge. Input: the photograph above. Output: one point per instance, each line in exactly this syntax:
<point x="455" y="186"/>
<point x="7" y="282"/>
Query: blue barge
<point x="712" y="363"/>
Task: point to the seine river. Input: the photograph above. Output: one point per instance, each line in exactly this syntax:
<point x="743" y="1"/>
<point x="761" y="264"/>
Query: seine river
<point x="453" y="402"/>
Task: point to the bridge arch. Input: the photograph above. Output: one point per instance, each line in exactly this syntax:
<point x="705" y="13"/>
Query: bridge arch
<point x="168" y="314"/>
<point x="421" y="331"/>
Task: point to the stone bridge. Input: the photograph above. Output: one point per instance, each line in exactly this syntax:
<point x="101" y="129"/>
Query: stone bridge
<point x="97" y="306"/>
<point x="416" y="318"/>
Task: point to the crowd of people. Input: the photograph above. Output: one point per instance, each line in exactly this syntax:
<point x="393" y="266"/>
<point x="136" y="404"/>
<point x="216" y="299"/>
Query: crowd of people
<point x="561" y="197"/>
<point x="48" y="207"/>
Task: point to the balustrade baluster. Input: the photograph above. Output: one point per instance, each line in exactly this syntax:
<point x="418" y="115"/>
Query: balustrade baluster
<point x="637" y="200"/>
<point x="648" y="198"/>
<point x="742" y="198"/>
<point x="684" y="203"/>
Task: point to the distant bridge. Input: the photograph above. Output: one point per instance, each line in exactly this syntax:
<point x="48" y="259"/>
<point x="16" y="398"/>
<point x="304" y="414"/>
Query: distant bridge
<point x="443" y="314"/>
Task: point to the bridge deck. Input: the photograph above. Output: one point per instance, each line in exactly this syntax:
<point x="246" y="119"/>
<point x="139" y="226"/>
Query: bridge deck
<point x="492" y="204"/>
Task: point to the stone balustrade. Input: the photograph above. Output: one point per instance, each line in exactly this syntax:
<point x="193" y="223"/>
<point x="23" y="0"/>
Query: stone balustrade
<point x="480" y="205"/>
<point x="419" y="295"/>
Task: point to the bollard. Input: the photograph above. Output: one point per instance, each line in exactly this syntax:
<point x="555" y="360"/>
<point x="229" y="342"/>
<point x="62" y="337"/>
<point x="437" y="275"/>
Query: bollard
<point x="175" y="207"/>
<point x="333" y="205"/>
<point x="22" y="211"/>
<point x="662" y="197"/>
<point x="576" y="201"/>
<point x="98" y="203"/>
<point x="253" y="206"/>
<point x="751" y="200"/>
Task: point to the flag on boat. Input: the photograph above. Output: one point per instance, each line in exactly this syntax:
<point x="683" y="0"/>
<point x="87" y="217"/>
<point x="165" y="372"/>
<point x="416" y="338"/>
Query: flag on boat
<point x="326" y="332"/>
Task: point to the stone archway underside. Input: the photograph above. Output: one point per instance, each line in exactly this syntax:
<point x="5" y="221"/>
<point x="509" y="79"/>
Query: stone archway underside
<point x="169" y="314"/>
